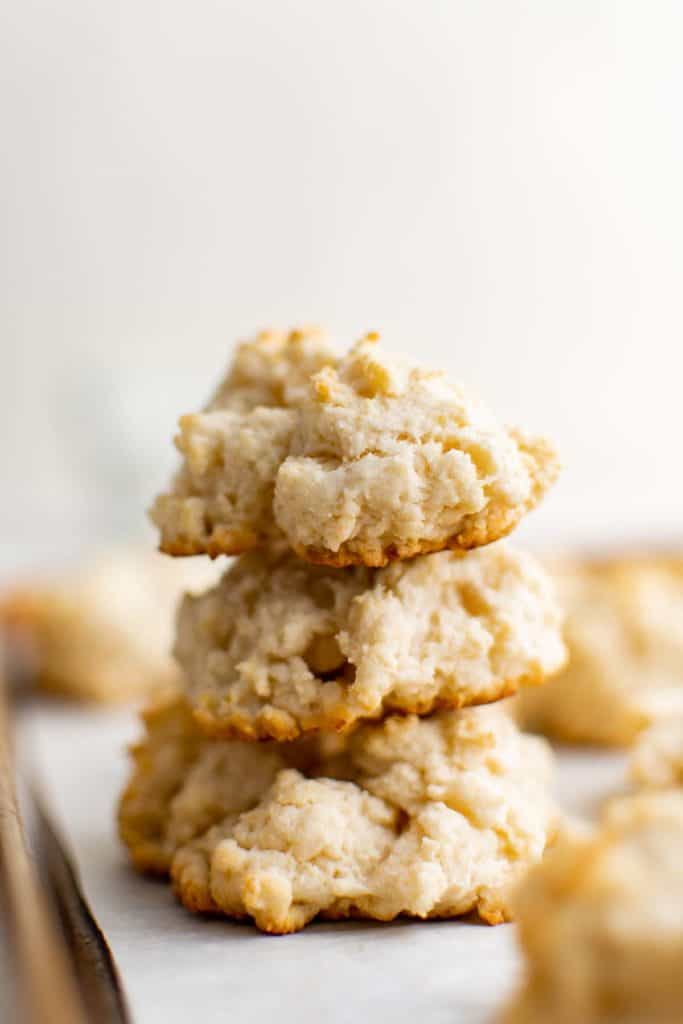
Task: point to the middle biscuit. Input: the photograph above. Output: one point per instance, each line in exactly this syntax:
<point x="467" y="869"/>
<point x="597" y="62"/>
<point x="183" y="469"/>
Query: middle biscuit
<point x="280" y="648"/>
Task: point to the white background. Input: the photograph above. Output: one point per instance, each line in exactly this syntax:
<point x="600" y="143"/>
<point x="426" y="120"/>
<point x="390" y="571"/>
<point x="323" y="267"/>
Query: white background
<point x="496" y="186"/>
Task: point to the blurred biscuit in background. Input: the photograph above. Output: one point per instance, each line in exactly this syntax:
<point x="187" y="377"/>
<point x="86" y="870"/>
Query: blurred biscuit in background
<point x="601" y="921"/>
<point x="102" y="632"/>
<point x="657" y="758"/>
<point x="624" y="632"/>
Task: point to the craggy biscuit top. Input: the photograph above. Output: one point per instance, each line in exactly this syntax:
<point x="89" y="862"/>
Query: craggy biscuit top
<point x="355" y="461"/>
<point x="280" y="648"/>
<point x="390" y="460"/>
<point x="272" y="370"/>
<point x="221" y="498"/>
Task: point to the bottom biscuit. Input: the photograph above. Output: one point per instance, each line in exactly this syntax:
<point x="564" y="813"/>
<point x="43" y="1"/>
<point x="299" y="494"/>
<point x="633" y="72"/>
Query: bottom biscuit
<point x="422" y="817"/>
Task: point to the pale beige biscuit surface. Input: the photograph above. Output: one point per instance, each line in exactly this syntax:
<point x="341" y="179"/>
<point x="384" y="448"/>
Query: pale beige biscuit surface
<point x="221" y="499"/>
<point x="390" y="460"/>
<point x="104" y="630"/>
<point x="280" y="647"/>
<point x="356" y="461"/>
<point x="601" y="922"/>
<point x="182" y="782"/>
<point x="657" y="758"/>
<point x="427" y="818"/>
<point x="624" y="634"/>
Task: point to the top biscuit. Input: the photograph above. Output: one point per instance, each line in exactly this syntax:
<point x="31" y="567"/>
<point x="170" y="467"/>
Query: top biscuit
<point x="361" y="460"/>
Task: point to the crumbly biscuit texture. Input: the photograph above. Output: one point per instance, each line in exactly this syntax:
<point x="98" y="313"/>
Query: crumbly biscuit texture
<point x="221" y="499"/>
<point x="273" y="370"/>
<point x="358" y="461"/>
<point x="427" y="818"/>
<point x="601" y="922"/>
<point x="390" y="461"/>
<point x="104" y="631"/>
<point x="308" y="846"/>
<point x="657" y="758"/>
<point x="182" y="782"/>
<point x="280" y="647"/>
<point x="624" y="633"/>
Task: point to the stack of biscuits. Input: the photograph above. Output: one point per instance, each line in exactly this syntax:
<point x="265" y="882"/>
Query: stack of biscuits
<point x="329" y="754"/>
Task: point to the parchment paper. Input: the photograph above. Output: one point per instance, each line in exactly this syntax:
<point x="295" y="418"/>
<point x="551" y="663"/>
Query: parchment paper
<point x="178" y="968"/>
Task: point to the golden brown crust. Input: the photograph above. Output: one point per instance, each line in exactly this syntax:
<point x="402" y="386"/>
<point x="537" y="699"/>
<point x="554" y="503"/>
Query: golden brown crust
<point x="494" y="915"/>
<point x="477" y="533"/>
<point x="482" y="530"/>
<point x="282" y="727"/>
<point x="190" y="879"/>
<point x="195" y="900"/>
<point x="230" y="542"/>
<point x="224" y="543"/>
